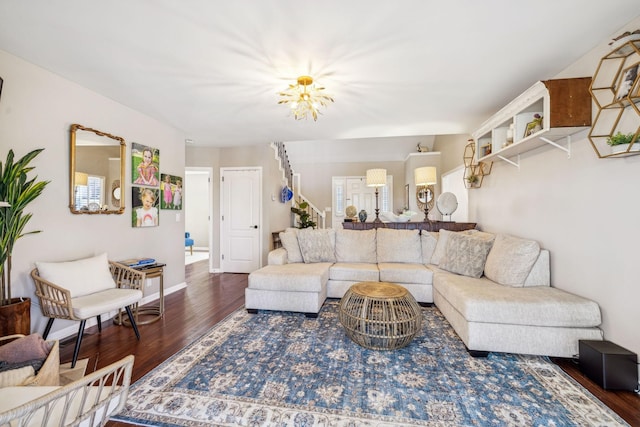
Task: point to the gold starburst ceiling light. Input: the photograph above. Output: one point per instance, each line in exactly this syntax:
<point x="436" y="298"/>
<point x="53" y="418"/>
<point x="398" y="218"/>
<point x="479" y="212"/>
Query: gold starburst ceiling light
<point x="305" y="98"/>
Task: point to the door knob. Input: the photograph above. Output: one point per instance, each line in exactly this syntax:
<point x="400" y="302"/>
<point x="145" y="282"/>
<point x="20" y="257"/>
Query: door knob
<point x="253" y="226"/>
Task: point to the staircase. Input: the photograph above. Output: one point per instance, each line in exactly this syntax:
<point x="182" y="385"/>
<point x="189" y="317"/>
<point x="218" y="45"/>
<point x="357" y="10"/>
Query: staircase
<point x="293" y="182"/>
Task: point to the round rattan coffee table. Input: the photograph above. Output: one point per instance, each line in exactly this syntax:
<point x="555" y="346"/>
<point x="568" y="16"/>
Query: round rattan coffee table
<point x="380" y="315"/>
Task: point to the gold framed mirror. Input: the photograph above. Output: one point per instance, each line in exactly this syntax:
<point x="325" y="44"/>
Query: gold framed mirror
<point x="424" y="195"/>
<point x="96" y="172"/>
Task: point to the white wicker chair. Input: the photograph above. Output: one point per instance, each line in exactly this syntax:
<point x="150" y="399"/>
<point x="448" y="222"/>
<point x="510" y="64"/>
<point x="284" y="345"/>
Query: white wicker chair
<point x="89" y="401"/>
<point x="58" y="302"/>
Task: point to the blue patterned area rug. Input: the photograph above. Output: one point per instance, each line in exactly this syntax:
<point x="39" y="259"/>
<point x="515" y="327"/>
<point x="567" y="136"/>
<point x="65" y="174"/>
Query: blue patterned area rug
<point x="282" y="369"/>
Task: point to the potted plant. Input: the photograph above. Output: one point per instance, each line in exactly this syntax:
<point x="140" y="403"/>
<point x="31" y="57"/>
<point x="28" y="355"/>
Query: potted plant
<point x="473" y="180"/>
<point x="16" y="191"/>
<point x="304" y="217"/>
<point x="620" y="142"/>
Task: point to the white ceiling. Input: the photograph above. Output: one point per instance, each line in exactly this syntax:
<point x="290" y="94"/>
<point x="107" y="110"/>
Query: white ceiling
<point x="213" y="68"/>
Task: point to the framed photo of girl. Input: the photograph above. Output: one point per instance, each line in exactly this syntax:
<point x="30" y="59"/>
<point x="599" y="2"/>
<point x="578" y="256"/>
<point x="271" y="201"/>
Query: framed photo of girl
<point x="145" y="164"/>
<point x="170" y="192"/>
<point x="145" y="207"/>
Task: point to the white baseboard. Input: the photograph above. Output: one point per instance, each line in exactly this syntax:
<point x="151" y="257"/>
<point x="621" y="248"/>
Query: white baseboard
<point x="72" y="330"/>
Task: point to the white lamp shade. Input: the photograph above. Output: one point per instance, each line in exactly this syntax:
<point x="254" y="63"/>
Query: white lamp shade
<point x="426" y="176"/>
<point x="376" y="177"/>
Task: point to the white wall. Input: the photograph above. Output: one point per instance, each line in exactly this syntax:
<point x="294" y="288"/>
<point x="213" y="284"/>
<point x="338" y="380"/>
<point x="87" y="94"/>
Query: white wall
<point x="583" y="209"/>
<point x="36" y="110"/>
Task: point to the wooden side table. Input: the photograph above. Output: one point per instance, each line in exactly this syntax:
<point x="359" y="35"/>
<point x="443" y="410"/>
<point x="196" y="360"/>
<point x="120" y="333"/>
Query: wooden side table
<point x="380" y="315"/>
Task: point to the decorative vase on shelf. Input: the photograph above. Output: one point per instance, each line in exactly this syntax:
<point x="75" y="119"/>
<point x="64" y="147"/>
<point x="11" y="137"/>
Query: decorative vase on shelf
<point x="362" y="216"/>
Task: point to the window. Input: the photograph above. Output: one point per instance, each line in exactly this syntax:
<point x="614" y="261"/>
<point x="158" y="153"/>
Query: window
<point x="90" y="193"/>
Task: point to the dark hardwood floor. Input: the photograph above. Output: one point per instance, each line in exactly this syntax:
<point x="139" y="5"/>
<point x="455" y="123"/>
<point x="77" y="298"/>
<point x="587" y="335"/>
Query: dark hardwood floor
<point x="208" y="299"/>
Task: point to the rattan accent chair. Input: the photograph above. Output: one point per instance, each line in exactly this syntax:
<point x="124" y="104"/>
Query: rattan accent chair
<point x="89" y="401"/>
<point x="86" y="297"/>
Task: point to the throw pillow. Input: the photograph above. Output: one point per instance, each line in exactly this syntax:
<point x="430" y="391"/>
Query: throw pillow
<point x="15" y="377"/>
<point x="317" y="245"/>
<point x="80" y="277"/>
<point x="466" y="254"/>
<point x="511" y="260"/>
<point x="26" y="348"/>
<point x="289" y="240"/>
<point x="429" y="240"/>
<point x="441" y="246"/>
<point x="399" y="246"/>
<point x="356" y="246"/>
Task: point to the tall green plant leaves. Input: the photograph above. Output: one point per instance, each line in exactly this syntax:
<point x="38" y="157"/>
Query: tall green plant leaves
<point x="17" y="190"/>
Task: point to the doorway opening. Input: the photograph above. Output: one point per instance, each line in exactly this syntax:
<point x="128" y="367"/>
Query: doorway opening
<point x="198" y="196"/>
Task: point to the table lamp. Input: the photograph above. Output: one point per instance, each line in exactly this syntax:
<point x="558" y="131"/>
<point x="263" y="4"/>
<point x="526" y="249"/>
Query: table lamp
<point x="424" y="177"/>
<point x="377" y="178"/>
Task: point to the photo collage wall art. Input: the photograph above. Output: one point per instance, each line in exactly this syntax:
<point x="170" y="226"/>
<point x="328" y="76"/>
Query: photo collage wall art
<point x="150" y="190"/>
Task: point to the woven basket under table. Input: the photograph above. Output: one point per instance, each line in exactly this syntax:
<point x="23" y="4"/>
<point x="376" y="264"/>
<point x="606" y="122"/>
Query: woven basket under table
<point x="380" y="315"/>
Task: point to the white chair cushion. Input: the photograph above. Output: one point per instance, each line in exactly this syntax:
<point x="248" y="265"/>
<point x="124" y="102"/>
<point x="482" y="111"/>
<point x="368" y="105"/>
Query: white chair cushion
<point x="80" y="277"/>
<point x="97" y="303"/>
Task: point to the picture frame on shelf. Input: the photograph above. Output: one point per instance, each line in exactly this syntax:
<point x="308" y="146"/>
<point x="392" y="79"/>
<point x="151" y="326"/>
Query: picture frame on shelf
<point x="533" y="126"/>
<point x="627" y="81"/>
<point x="485" y="150"/>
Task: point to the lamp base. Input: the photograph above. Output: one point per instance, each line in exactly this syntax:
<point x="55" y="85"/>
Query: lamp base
<point x="426" y="214"/>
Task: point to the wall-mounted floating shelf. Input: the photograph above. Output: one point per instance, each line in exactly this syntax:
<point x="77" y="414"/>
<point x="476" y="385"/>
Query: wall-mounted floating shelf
<point x="544" y="114"/>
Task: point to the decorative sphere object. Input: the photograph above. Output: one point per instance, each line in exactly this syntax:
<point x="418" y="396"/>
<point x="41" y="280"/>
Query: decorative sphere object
<point x="362" y="216"/>
<point x="351" y="211"/>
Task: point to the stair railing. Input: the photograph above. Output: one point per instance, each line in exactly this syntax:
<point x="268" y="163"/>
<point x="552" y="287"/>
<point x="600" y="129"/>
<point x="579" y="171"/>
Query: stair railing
<point x="293" y="181"/>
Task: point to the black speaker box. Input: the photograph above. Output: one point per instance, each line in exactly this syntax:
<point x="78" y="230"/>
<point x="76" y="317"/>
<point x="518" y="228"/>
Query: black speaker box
<point x="609" y="365"/>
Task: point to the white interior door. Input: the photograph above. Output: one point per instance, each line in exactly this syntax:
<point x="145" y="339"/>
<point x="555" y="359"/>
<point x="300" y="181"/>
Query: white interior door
<point x="353" y="190"/>
<point x="241" y="220"/>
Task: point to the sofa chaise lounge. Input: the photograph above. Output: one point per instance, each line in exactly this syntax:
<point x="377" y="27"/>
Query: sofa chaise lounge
<point x="493" y="289"/>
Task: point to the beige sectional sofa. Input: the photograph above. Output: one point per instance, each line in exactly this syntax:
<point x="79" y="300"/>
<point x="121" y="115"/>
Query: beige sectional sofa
<point x="493" y="289"/>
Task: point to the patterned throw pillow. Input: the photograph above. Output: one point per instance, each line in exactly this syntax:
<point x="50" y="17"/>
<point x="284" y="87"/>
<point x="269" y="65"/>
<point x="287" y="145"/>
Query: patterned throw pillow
<point x="289" y="241"/>
<point x="466" y="254"/>
<point x="317" y="245"/>
<point x="511" y="260"/>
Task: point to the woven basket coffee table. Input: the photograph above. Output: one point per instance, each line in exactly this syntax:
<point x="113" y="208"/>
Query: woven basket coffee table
<point x="380" y="315"/>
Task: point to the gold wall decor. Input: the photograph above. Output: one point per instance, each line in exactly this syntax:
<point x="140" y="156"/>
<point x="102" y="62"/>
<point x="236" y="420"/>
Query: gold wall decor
<point x="474" y="172"/>
<point x="615" y="90"/>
